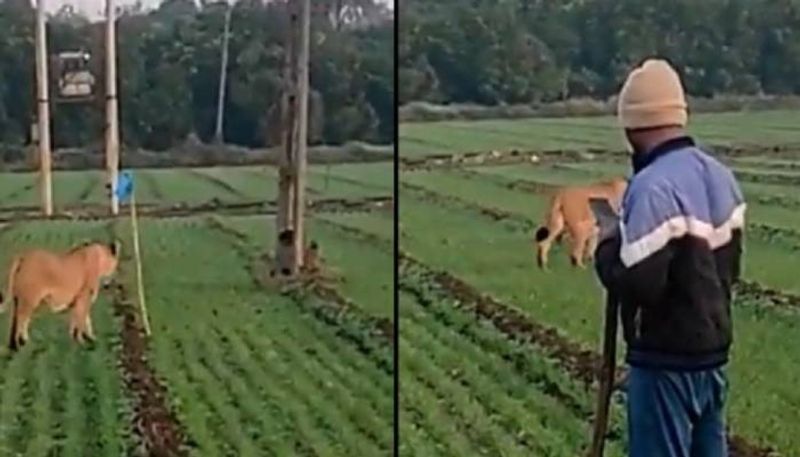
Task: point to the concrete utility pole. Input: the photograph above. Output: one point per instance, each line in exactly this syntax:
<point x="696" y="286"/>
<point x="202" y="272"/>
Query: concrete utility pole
<point x="223" y="76"/>
<point x="42" y="102"/>
<point x="292" y="166"/>
<point x="112" y="109"/>
<point x="302" y="132"/>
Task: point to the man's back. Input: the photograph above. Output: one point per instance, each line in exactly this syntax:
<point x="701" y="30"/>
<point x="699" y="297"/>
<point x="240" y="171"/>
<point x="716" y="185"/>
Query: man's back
<point x="690" y="191"/>
<point x="679" y="253"/>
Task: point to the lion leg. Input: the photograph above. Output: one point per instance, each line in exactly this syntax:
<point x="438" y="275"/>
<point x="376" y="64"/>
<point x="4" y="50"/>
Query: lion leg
<point x="580" y="240"/>
<point x="591" y="244"/>
<point x="21" y="322"/>
<point x="25" y="325"/>
<point x="77" y="325"/>
<point x="543" y="249"/>
<point x="89" y="328"/>
<point x="554" y="233"/>
<point x="74" y="328"/>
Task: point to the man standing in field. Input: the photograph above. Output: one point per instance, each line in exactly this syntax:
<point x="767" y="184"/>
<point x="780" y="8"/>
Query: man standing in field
<point x="672" y="265"/>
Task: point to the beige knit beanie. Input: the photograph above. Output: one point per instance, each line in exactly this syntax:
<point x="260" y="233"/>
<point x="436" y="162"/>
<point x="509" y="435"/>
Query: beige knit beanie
<point x="652" y="96"/>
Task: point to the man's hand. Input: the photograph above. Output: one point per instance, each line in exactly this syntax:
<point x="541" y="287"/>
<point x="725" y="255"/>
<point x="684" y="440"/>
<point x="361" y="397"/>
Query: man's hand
<point x="606" y="220"/>
<point x="607" y="261"/>
<point x="607" y="233"/>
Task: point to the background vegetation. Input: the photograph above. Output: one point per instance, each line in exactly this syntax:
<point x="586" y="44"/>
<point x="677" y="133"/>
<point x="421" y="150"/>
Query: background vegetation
<point x="525" y="51"/>
<point x="169" y="61"/>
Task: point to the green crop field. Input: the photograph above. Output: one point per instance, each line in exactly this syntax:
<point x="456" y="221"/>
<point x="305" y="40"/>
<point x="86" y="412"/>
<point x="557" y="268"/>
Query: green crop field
<point x="235" y="366"/>
<point x="505" y="350"/>
<point x="199" y="185"/>
<point x="759" y="128"/>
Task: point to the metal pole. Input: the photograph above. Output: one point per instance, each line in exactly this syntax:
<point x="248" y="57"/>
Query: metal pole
<point x="42" y="101"/>
<point x="112" y="110"/>
<point x="223" y="76"/>
<point x="302" y="132"/>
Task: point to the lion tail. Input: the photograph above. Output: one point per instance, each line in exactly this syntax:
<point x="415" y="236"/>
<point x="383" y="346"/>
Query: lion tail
<point x="12" y="272"/>
<point x="13" y="343"/>
<point x="12" y="334"/>
<point x="553" y="219"/>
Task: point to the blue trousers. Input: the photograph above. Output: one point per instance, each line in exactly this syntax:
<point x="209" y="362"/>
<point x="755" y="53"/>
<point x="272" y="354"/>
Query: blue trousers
<point x="676" y="414"/>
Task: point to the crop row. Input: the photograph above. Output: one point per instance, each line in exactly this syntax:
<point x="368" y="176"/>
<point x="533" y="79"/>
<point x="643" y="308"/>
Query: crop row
<point x="497" y="258"/>
<point x="254" y="373"/>
<point x="198" y="185"/>
<point x="492" y="395"/>
<point x="740" y="128"/>
<point x="248" y="372"/>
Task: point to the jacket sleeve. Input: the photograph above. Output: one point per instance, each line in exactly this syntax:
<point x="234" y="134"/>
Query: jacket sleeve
<point x="643" y="283"/>
<point x="643" y="279"/>
<point x="729" y="260"/>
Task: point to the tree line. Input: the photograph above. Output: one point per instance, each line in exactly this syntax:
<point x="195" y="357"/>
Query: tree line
<point x="169" y="68"/>
<point x="521" y="51"/>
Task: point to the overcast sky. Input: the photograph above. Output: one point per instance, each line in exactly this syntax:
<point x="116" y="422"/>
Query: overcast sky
<point x="95" y="8"/>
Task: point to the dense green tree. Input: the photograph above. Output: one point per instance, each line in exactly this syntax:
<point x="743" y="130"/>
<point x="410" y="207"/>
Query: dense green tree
<point x="511" y="51"/>
<point x="169" y="63"/>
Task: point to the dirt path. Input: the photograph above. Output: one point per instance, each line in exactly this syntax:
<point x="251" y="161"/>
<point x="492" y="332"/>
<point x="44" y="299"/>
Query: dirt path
<point x="157" y="428"/>
<point x="487" y="158"/>
<point x="779" y="298"/>
<point x="497" y="157"/>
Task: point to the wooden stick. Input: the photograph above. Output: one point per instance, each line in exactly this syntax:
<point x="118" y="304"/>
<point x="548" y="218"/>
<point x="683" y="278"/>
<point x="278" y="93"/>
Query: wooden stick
<point x="138" y="258"/>
<point x="606" y="376"/>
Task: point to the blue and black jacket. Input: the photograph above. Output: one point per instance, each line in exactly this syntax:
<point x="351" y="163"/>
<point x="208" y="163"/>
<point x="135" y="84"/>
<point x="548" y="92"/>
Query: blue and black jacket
<point x="676" y="258"/>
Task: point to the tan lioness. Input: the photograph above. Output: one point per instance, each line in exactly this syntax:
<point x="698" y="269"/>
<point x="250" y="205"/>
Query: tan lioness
<point x="63" y="281"/>
<point x="569" y="209"/>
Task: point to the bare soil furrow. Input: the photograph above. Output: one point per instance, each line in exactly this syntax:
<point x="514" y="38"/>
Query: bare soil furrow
<point x="261" y="207"/>
<point x="156" y="426"/>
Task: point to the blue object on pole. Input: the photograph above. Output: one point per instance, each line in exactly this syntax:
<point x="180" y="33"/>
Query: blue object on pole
<point x="124" y="185"/>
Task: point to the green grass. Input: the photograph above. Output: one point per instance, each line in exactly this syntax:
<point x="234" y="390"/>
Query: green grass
<point x="200" y="185"/>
